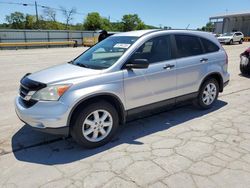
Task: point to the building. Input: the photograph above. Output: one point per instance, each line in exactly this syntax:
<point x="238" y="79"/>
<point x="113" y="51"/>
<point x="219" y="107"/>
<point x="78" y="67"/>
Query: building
<point x="232" y="22"/>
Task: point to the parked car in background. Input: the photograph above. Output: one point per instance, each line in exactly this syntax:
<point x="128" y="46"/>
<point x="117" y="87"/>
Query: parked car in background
<point x="230" y="38"/>
<point x="122" y="77"/>
<point x="216" y="35"/>
<point x="245" y="62"/>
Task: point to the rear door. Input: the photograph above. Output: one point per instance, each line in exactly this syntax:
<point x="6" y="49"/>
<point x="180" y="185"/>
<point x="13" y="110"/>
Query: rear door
<point x="191" y="63"/>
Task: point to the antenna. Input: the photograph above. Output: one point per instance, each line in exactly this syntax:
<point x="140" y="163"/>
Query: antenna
<point x="187" y="26"/>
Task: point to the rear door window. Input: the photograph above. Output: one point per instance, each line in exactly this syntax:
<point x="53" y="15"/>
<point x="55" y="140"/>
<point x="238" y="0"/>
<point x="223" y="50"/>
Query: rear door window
<point x="209" y="46"/>
<point x="188" y="45"/>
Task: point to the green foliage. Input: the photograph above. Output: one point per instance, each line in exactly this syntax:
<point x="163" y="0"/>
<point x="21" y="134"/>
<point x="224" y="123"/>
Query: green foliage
<point x="4" y="26"/>
<point x="116" y="26"/>
<point x="30" y="21"/>
<point x="209" y="27"/>
<point x="106" y="25"/>
<point x="16" y="20"/>
<point x="132" y="22"/>
<point x="78" y="27"/>
<point x="93" y="21"/>
<point x="51" y="25"/>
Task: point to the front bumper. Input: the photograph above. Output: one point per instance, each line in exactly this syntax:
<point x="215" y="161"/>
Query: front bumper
<point x="224" y="41"/>
<point x="50" y="117"/>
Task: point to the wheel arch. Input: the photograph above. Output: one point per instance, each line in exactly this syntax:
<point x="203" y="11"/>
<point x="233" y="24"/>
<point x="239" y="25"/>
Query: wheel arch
<point x="111" y="98"/>
<point x="216" y="76"/>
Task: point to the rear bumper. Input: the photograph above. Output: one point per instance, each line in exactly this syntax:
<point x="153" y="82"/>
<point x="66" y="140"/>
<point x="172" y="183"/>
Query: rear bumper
<point x="225" y="83"/>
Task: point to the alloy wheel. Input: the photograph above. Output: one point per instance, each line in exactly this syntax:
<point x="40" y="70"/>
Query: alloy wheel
<point x="209" y="94"/>
<point x="97" y="125"/>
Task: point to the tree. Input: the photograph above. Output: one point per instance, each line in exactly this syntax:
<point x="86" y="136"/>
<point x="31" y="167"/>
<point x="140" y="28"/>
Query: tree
<point x="68" y="14"/>
<point x="50" y="14"/>
<point x="132" y="22"/>
<point x="140" y="26"/>
<point x="16" y="20"/>
<point x="30" y="21"/>
<point x="4" y="26"/>
<point x="93" y="21"/>
<point x="208" y="27"/>
<point x="78" y="26"/>
<point x="116" y="26"/>
<point x="106" y="25"/>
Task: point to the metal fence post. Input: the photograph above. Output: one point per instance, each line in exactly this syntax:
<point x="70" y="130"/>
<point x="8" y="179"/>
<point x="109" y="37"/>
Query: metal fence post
<point x="25" y="38"/>
<point x="0" y="40"/>
<point x="48" y="38"/>
<point x="68" y="35"/>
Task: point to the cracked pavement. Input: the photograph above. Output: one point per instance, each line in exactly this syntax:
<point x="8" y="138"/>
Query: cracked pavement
<point x="183" y="147"/>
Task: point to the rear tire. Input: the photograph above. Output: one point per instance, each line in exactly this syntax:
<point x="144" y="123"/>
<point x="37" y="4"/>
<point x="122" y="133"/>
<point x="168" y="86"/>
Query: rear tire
<point x="245" y="65"/>
<point x="95" y="124"/>
<point x="208" y="94"/>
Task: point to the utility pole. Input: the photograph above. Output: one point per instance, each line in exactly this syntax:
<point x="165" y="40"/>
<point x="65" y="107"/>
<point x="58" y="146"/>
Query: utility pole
<point x="36" y="12"/>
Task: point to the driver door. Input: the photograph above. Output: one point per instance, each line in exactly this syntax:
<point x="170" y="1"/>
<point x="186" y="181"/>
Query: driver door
<point x="155" y="83"/>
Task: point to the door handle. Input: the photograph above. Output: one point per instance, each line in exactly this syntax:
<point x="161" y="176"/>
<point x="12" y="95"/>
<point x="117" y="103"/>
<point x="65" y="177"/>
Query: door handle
<point x="168" y="66"/>
<point x="203" y="60"/>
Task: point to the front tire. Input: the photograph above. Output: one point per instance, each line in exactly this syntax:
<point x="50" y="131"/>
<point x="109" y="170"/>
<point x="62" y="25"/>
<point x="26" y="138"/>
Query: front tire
<point x="95" y="124"/>
<point x="208" y="94"/>
<point x="241" y="41"/>
<point x="231" y="42"/>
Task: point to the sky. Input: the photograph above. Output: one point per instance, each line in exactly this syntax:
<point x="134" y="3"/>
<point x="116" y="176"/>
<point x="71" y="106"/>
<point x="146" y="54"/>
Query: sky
<point x="174" y="13"/>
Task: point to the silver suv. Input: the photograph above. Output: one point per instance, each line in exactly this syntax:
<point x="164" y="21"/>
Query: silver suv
<point x="231" y="38"/>
<point x="121" y="77"/>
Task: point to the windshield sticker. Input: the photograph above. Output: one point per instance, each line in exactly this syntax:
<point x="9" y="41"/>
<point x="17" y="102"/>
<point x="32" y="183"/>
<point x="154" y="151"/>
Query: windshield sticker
<point x="120" y="45"/>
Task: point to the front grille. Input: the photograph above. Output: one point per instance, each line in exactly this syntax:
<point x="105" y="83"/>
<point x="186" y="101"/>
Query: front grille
<point x="27" y="87"/>
<point x="28" y="104"/>
<point x="23" y="91"/>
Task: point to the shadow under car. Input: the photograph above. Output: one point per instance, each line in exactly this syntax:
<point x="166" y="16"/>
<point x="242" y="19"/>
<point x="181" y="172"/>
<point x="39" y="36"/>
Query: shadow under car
<point x="61" y="151"/>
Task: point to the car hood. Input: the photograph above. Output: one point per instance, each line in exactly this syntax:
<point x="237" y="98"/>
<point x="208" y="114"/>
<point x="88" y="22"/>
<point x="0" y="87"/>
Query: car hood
<point x="61" y="73"/>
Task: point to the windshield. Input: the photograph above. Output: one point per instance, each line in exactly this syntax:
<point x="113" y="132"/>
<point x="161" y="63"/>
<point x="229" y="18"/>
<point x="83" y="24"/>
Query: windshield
<point x="227" y="34"/>
<point x="106" y="53"/>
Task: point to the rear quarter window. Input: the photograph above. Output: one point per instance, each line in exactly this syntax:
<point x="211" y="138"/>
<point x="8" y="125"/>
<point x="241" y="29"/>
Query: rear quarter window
<point x="209" y="46"/>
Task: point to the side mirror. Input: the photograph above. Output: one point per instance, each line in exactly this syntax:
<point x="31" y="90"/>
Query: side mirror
<point x="138" y="64"/>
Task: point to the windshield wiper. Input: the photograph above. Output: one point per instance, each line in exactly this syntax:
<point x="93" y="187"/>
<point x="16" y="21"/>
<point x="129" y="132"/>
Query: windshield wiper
<point x="82" y="65"/>
<point x="78" y="64"/>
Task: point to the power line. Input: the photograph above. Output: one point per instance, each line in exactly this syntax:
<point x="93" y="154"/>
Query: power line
<point x="12" y="3"/>
<point x="38" y="5"/>
<point x="47" y="7"/>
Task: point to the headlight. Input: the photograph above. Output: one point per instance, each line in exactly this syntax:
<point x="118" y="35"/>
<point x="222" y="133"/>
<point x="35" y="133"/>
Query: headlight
<point x="51" y="93"/>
